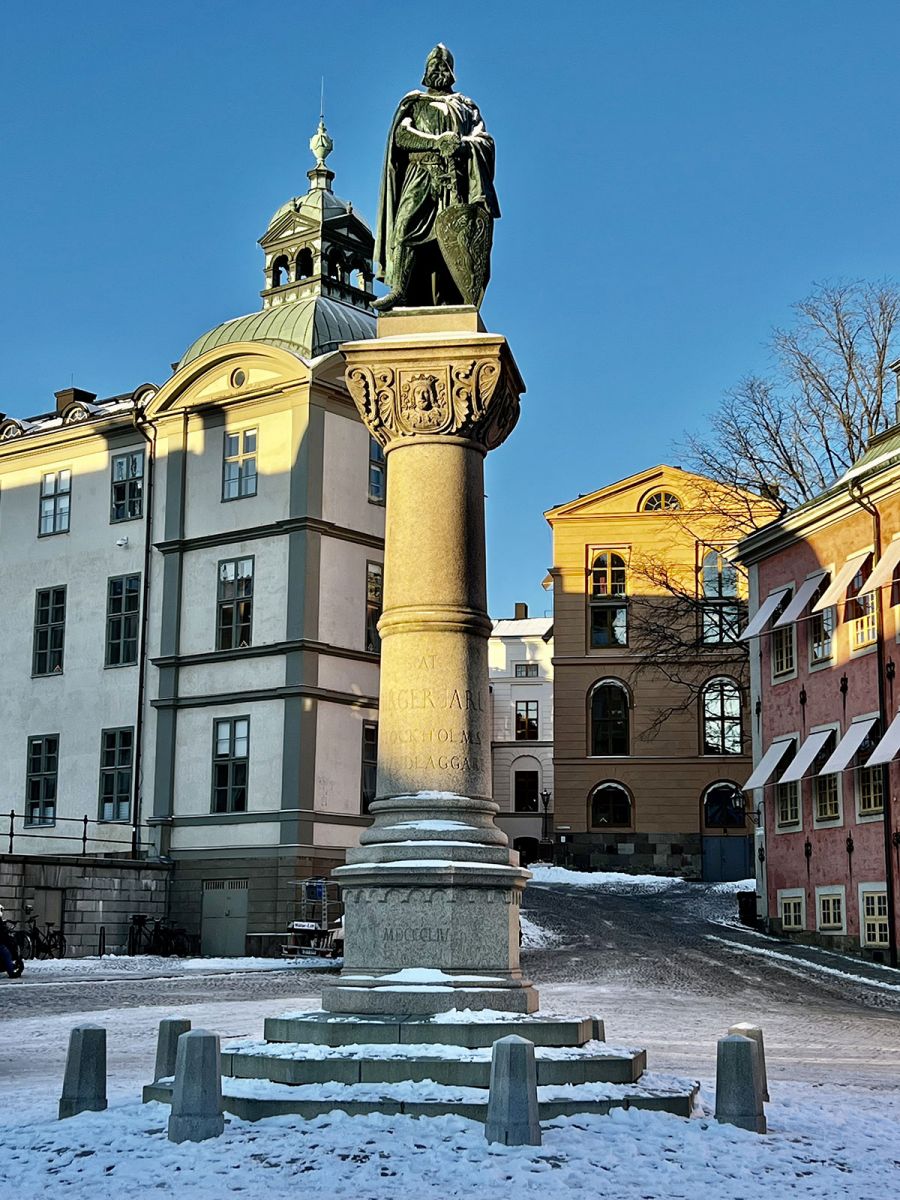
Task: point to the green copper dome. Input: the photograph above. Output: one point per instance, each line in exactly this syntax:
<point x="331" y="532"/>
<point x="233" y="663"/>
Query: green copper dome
<point x="308" y="327"/>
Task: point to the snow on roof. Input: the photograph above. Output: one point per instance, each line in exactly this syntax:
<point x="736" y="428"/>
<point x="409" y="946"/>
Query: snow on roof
<point x="529" y="627"/>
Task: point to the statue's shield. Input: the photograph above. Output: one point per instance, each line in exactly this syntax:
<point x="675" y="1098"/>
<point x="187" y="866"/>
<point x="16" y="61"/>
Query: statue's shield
<point x="464" y="235"/>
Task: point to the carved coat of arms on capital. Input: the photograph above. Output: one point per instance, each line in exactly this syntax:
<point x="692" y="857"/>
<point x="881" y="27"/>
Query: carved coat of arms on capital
<point x="470" y="398"/>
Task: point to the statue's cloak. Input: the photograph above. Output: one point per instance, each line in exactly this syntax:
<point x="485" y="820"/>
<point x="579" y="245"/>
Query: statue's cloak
<point x="479" y="169"/>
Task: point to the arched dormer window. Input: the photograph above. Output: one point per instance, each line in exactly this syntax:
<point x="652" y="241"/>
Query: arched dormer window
<point x="720" y="713"/>
<point x="610" y="708"/>
<point x="281" y="271"/>
<point x="608" y="605"/>
<point x="720" y="608"/>
<point x="610" y="807"/>
<point x="661" y="502"/>
<point x="724" y="806"/>
<point x="305" y="265"/>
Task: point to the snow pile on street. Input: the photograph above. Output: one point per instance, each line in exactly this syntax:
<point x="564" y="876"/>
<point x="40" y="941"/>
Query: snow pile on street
<point x="733" y="887"/>
<point x="545" y="875"/>
<point x="113" y="966"/>
<point x="629" y="1155"/>
<point x="534" y="937"/>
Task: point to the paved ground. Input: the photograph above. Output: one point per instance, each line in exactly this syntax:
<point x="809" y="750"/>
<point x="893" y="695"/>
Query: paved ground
<point x="663" y="970"/>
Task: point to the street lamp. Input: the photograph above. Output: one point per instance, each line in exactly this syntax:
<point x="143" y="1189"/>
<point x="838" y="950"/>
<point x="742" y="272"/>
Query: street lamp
<point x="545" y="826"/>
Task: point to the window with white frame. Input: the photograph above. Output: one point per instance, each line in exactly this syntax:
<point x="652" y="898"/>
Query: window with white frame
<point x="787" y="805"/>
<point x="869" y="780"/>
<point x="830" y="905"/>
<point x="56" y="497"/>
<point x="783" y="658"/>
<point x="826" y="793"/>
<point x="820" y="633"/>
<point x="860" y="611"/>
<point x="791" y="906"/>
<point x="526" y="670"/>
<point x="873" y="916"/>
<point x="239" y="466"/>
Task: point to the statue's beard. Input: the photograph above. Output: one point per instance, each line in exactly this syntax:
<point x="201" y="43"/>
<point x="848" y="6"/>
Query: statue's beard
<point x="439" y="78"/>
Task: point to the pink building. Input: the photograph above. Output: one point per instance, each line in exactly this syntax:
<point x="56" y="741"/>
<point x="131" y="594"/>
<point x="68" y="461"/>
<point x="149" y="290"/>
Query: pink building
<point x="823" y="636"/>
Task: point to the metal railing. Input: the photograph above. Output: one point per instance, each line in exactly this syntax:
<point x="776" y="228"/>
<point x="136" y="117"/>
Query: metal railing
<point x="48" y="830"/>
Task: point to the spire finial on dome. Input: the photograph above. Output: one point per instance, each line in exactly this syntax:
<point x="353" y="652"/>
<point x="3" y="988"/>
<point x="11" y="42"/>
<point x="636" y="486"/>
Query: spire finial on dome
<point x="321" y="144"/>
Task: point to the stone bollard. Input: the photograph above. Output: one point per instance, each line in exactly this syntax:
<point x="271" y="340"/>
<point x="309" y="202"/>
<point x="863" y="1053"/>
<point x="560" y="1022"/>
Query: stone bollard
<point x="598" y="1029"/>
<point x="512" y="1115"/>
<point x="739" y="1092"/>
<point x="744" y="1029"/>
<point x="197" y="1095"/>
<point x="84" y="1085"/>
<point x="170" y="1030"/>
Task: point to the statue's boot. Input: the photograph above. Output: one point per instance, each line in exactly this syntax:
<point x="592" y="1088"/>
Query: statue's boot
<point x="401" y="269"/>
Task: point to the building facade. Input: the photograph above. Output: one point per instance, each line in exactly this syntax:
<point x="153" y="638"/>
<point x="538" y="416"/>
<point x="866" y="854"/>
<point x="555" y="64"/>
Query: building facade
<point x="651" y="729"/>
<point x="189" y="628"/>
<point x="520" y="658"/>
<point x="823" y="636"/>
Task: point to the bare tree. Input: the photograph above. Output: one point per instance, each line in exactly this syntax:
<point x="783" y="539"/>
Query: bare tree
<point x="829" y="393"/>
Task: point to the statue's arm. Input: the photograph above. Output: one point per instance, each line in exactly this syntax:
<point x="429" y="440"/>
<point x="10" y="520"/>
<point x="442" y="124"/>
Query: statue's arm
<point x="407" y="137"/>
<point x="478" y="134"/>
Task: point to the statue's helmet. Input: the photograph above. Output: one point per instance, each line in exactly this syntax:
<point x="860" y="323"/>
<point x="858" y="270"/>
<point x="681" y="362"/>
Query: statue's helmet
<point x="439" y="68"/>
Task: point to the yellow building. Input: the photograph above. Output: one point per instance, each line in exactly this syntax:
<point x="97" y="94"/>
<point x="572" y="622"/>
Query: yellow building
<point x="651" y="729"/>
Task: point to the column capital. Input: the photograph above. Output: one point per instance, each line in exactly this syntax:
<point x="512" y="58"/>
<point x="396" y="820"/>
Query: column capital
<point x="462" y="384"/>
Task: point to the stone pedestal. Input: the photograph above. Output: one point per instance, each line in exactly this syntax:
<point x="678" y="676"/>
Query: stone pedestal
<point x="432" y="894"/>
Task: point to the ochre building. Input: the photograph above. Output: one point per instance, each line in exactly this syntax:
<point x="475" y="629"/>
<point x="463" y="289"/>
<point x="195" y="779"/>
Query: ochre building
<point x="651" y="730"/>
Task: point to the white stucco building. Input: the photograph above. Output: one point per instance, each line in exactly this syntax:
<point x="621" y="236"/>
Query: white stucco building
<point x="521" y="669"/>
<point x="192" y="577"/>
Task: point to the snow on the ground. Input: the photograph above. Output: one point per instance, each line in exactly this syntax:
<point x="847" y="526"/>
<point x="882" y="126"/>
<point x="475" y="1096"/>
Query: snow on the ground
<point x="733" y="887"/>
<point x="541" y="873"/>
<point x="535" y="937"/>
<point x="799" y="964"/>
<point x="111" y="966"/>
<point x="822" y="1144"/>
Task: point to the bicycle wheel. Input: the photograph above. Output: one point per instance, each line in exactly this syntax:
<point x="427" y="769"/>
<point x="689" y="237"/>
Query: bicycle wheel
<point x="57" y="944"/>
<point x="26" y="947"/>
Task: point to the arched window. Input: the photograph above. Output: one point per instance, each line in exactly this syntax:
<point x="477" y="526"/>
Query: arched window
<point x="335" y="265"/>
<point x="724" y="806"/>
<point x="721" y="610"/>
<point x="661" y="502"/>
<point x="609" y="719"/>
<point x="610" y="806"/>
<point x="305" y="264"/>
<point x="720" y="706"/>
<point x="609" y="609"/>
<point x="281" y="271"/>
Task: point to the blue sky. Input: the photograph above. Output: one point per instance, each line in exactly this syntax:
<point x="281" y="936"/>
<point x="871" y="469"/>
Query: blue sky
<point x="672" y="177"/>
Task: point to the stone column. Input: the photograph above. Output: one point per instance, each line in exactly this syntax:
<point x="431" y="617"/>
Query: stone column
<point x="432" y="894"/>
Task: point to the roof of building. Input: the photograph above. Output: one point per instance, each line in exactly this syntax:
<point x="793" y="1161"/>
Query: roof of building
<point x="320" y="205"/>
<point x="527" y="627"/>
<point x="308" y="327"/>
<point x="79" y="412"/>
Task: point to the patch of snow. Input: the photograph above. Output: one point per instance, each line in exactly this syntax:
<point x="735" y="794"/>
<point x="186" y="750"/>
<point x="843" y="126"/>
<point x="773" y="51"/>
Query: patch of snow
<point x="434" y="826"/>
<point x="534" y="937"/>
<point x="617" y="880"/>
<point x="113" y="966"/>
<point x="426" y="975"/>
<point x="733" y="887"/>
<point x="406" y="863"/>
<point x="822" y="1145"/>
<point x="309" y="1052"/>
<point x="799" y="963"/>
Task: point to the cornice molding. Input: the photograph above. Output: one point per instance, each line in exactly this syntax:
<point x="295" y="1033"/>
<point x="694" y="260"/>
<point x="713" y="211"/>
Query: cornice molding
<point x="288" y="525"/>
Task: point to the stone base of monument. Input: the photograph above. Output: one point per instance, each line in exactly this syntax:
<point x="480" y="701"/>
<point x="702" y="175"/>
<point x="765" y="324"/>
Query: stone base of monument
<point x="316" y="1062"/>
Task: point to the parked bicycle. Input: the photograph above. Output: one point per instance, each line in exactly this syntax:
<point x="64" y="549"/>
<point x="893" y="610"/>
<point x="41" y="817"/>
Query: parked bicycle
<point x="157" y="936"/>
<point x="41" y="943"/>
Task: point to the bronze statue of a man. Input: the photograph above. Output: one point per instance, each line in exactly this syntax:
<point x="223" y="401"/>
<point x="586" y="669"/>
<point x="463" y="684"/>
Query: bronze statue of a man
<point x="437" y="205"/>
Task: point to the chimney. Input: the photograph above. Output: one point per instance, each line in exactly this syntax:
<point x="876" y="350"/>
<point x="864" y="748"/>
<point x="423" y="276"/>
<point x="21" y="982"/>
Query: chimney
<point x="73" y="395"/>
<point x="521" y="612"/>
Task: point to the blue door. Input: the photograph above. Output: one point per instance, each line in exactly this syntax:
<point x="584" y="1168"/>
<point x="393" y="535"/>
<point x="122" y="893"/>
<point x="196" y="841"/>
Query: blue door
<point x="728" y="858"/>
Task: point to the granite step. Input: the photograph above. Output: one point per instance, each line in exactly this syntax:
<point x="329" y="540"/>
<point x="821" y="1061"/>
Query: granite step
<point x="461" y="1028"/>
<point x="305" y="1063"/>
<point x="256" y="1099"/>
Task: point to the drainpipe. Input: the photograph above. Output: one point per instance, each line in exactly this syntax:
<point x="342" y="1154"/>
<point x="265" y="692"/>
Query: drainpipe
<point x="139" y="421"/>
<point x="856" y="494"/>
